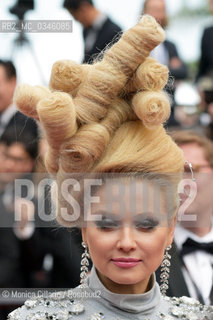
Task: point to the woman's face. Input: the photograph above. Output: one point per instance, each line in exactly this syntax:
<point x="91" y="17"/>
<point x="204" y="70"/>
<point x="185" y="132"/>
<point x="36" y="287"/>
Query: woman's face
<point x="128" y="235"/>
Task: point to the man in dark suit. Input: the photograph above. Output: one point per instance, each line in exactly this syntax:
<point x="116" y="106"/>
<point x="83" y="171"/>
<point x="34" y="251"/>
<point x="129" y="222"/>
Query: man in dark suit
<point x="10" y="270"/>
<point x="191" y="271"/>
<point x="166" y="52"/>
<point x="98" y="29"/>
<point x="30" y="240"/>
<point x="10" y="275"/>
<point x="53" y="256"/>
<point x="10" y="117"/>
<point x="206" y="59"/>
<point x="18" y="156"/>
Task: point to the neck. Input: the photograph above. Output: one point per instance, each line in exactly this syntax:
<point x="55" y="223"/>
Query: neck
<point x="118" y="288"/>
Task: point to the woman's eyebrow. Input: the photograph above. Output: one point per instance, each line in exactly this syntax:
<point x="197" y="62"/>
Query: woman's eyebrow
<point x="108" y="215"/>
<point x="155" y="217"/>
<point x="144" y="215"/>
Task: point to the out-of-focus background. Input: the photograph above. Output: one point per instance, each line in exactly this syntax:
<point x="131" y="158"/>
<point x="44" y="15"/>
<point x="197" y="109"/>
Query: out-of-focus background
<point x="187" y="19"/>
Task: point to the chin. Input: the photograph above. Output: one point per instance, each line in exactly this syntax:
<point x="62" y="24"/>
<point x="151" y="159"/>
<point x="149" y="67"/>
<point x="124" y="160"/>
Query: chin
<point x="126" y="280"/>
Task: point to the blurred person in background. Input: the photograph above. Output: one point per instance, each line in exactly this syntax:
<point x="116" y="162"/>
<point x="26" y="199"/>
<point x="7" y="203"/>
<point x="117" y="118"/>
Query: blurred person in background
<point x="50" y="255"/>
<point x="18" y="160"/>
<point x="205" y="77"/>
<point x="191" y="272"/>
<point x="206" y="58"/>
<point x="98" y="29"/>
<point x="10" y="117"/>
<point x="166" y="52"/>
<point x="9" y="251"/>
<point x="187" y="110"/>
<point x="46" y="255"/>
<point x="2" y="163"/>
<point x="205" y="87"/>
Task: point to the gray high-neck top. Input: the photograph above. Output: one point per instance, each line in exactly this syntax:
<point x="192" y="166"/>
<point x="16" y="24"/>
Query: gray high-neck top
<point x="95" y="302"/>
<point x="145" y="303"/>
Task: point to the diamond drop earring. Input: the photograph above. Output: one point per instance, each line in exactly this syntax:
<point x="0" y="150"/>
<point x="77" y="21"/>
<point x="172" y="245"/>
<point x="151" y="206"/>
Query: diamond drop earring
<point x="84" y="263"/>
<point x="164" y="276"/>
<point x="78" y="307"/>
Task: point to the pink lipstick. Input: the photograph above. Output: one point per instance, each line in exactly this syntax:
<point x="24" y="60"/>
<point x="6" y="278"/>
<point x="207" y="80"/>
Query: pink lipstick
<point x="126" y="262"/>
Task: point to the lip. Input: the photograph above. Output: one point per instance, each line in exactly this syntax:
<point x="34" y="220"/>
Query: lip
<point x="126" y="259"/>
<point x="126" y="262"/>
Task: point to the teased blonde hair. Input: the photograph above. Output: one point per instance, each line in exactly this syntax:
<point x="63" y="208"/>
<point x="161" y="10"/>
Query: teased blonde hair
<point x="107" y="117"/>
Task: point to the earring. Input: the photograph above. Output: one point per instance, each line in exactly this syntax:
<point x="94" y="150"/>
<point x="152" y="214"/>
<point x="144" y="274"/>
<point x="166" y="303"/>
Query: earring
<point x="79" y="307"/>
<point x="84" y="263"/>
<point x="164" y="276"/>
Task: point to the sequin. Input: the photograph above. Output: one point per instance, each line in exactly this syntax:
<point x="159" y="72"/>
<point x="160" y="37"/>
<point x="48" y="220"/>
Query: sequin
<point x="77" y="308"/>
<point x="177" y="312"/>
<point x="166" y="317"/>
<point x="61" y="307"/>
<point x="97" y="316"/>
<point x="30" y="303"/>
<point x="189" y="301"/>
<point x="192" y="316"/>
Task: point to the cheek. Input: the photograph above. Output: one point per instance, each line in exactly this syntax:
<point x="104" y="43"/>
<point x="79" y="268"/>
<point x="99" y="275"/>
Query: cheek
<point x="29" y="166"/>
<point x="6" y="90"/>
<point x="154" y="244"/>
<point x="20" y="168"/>
<point x="100" y="243"/>
<point x="203" y="187"/>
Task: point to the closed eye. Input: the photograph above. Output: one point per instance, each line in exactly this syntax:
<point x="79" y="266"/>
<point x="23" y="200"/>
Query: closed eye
<point x="107" y="223"/>
<point x="147" y="224"/>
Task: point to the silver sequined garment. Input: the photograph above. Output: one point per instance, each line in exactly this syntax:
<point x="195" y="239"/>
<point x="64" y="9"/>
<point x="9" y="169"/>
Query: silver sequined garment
<point x="95" y="302"/>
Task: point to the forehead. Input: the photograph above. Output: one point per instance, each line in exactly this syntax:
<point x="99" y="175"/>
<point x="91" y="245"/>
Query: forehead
<point x="155" y="5"/>
<point x="129" y="197"/>
<point x="124" y="188"/>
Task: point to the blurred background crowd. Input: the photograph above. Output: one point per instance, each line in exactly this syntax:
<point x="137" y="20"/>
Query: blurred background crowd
<point x="35" y="254"/>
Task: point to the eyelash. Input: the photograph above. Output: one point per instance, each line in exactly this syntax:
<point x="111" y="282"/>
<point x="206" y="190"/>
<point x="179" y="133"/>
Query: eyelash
<point x="103" y="224"/>
<point x="150" y="225"/>
<point x="147" y="224"/>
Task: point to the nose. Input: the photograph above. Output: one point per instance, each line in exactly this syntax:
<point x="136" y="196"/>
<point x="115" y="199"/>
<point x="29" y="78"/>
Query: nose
<point x="126" y="240"/>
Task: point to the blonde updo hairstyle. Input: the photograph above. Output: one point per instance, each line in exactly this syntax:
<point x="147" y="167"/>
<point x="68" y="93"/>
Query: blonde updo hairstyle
<point x="108" y="116"/>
